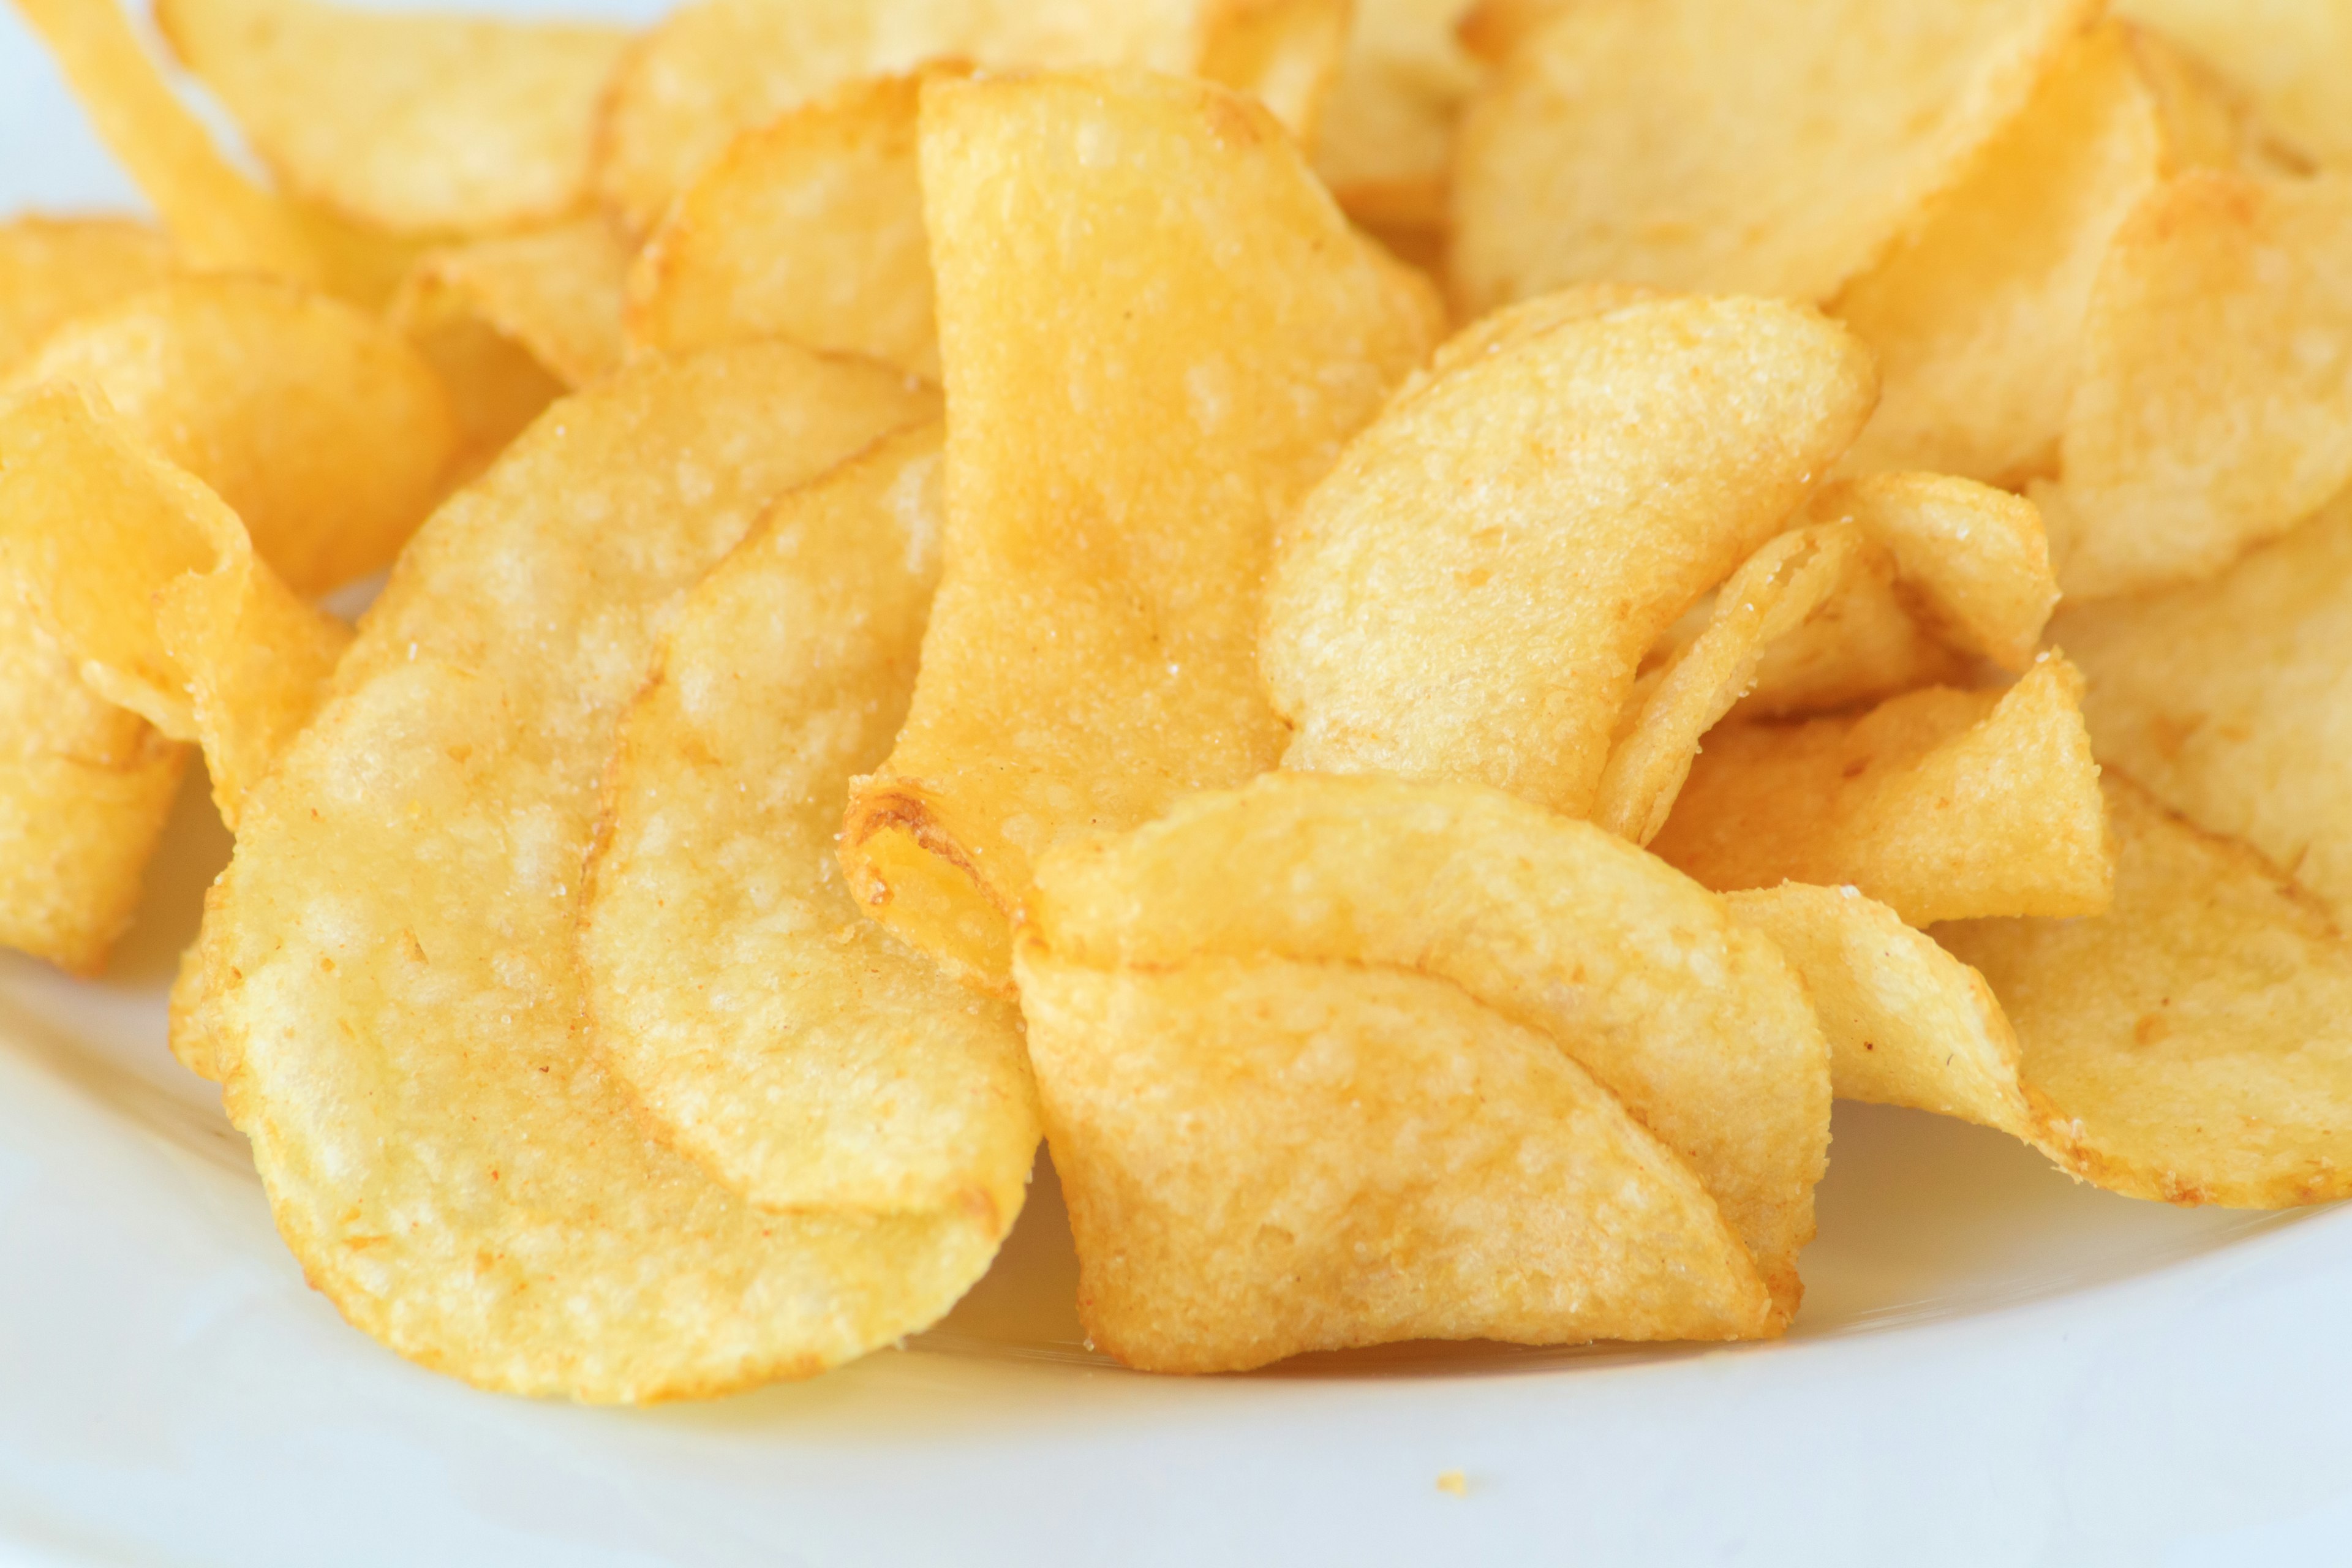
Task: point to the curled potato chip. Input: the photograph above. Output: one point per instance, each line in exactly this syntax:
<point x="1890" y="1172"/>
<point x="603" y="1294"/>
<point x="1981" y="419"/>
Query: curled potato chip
<point x="2290" y="55"/>
<point x="1386" y="133"/>
<point x="53" y="270"/>
<point x="810" y="230"/>
<point x="148" y="581"/>
<point x="1694" y="1023"/>
<point x="215" y="216"/>
<point x="391" y="982"/>
<point x="718" y="68"/>
<point x="1263" y="1157"/>
<point x="796" y="1050"/>
<point x="1093" y="652"/>
<point x="416" y="123"/>
<point x="1712" y="145"/>
<point x="1470" y="593"/>
<point x="324" y="432"/>
<point x="1943" y="803"/>
<point x="2215" y="407"/>
<point x="2230" y="699"/>
<point x="2191" y="1043"/>
<point x="1974" y="561"/>
<point x="1977" y="316"/>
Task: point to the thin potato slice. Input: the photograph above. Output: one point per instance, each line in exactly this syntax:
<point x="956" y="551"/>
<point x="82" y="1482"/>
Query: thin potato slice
<point x="389" y="981"/>
<point x="1691" y="1021"/>
<point x="2291" y="56"/>
<point x="1263" y="1157"/>
<point x="2231" y="700"/>
<point x="1470" y="593"/>
<point x="215" y="216"/>
<point x="326" y="433"/>
<point x="1093" y="653"/>
<point x="1945" y="805"/>
<point x="414" y="123"/>
<point x="809" y="229"/>
<point x="1718" y="145"/>
<point x="1974" y="561"/>
<point x="148" y="581"/>
<point x="715" y="68"/>
<point x="53" y="270"/>
<point x="2214" y="409"/>
<point x="796" y="1050"/>
<point x="1977" y="316"/>
<point x="2192" y="1044"/>
<point x="1386" y="134"/>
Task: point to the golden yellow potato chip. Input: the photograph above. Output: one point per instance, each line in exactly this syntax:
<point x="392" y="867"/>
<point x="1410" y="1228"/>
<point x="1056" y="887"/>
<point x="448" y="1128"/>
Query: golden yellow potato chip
<point x="1386" y="133"/>
<point x="215" y="216"/>
<point x="147" y="580"/>
<point x="1774" y="592"/>
<point x="1945" y="805"/>
<point x="1470" y="593"/>
<point x="2192" y="1044"/>
<point x="804" y="1055"/>
<point x="1726" y="146"/>
<point x="715" y="68"/>
<point x="1263" y="1157"/>
<point x="810" y="230"/>
<point x="1977" y="316"/>
<point x="1284" y="53"/>
<point x="1141" y="388"/>
<point x="326" y="433"/>
<point x="2230" y="699"/>
<point x="414" y="122"/>
<point x="1868" y="642"/>
<point x="1974" y="561"/>
<point x="556" y="293"/>
<point x="84" y="789"/>
<point x="391" y="977"/>
<point x="2215" y="407"/>
<point x="1693" y="1023"/>
<point x="2290" y="55"/>
<point x="53" y="270"/>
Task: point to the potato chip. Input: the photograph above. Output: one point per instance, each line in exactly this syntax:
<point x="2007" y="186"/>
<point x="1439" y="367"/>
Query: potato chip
<point x="390" y="965"/>
<point x="2192" y="1044"/>
<point x="1942" y="804"/>
<point x="1470" y="593"/>
<point x="1141" y="388"/>
<point x="1284" y="53"/>
<point x="2206" y="124"/>
<point x="809" y="229"/>
<point x="1263" y="1157"/>
<point x="795" y="1048"/>
<point x="53" y="270"/>
<point x="1386" y="133"/>
<point x="2214" y="407"/>
<point x="715" y="68"/>
<point x="1866" y="644"/>
<point x="85" y="790"/>
<point x="1772" y="593"/>
<point x="1974" y="561"/>
<point x="413" y="122"/>
<point x="2291" y="56"/>
<point x="215" y="216"/>
<point x="1715" y="145"/>
<point x="1691" y="1021"/>
<point x="2231" y="700"/>
<point x="143" y="576"/>
<point x="1977" y="316"/>
<point x="325" y="433"/>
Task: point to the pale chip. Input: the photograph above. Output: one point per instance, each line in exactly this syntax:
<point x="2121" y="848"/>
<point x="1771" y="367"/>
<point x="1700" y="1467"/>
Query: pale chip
<point x="1974" y="561"/>
<point x="2290" y="55"/>
<point x="1386" y="133"/>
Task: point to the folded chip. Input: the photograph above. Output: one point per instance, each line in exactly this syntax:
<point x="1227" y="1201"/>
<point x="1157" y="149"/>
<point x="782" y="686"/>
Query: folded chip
<point x="1142" y="388"/>
<point x="809" y="228"/>
<point x="1977" y="316"/>
<point x="1721" y="146"/>
<point x="413" y="122"/>
<point x="1943" y="803"/>
<point x="1470" y="593"/>
<point x="1637" y="974"/>
<point x="2213" y="409"/>
<point x="798" y="1050"/>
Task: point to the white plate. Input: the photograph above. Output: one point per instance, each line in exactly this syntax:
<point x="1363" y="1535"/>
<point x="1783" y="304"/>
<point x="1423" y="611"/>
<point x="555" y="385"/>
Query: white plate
<point x="1992" y="1365"/>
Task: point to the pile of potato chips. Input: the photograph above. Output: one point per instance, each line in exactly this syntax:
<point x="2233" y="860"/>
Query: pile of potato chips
<point x="1414" y="635"/>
